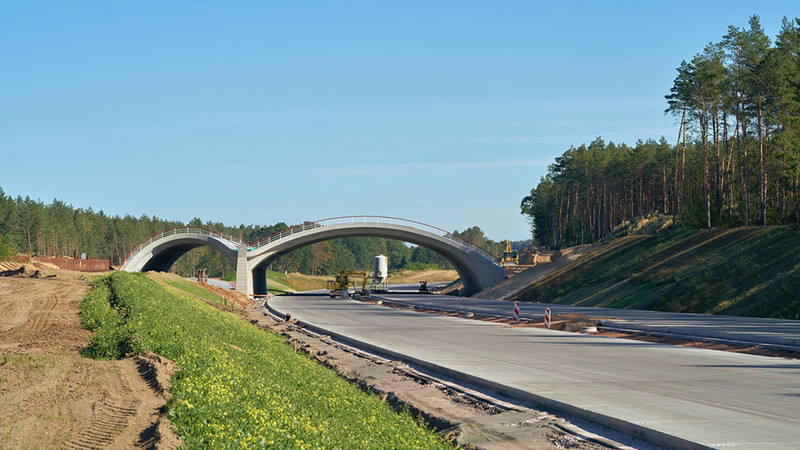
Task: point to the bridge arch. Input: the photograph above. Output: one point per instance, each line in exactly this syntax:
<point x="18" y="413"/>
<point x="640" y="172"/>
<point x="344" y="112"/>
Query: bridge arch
<point x="477" y="268"/>
<point x="160" y="251"/>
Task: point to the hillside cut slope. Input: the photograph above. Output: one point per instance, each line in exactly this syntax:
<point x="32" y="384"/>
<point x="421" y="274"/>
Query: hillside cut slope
<point x="742" y="271"/>
<point x="515" y="284"/>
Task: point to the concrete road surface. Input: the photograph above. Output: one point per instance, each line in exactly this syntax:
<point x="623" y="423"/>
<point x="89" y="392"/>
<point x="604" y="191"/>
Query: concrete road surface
<point x="668" y="395"/>
<point x="747" y="329"/>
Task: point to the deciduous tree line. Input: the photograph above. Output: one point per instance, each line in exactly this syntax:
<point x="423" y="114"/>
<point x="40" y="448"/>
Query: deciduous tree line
<point x="736" y="160"/>
<point x="57" y="229"/>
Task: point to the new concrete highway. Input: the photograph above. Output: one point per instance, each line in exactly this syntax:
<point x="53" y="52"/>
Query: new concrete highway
<point x="745" y="329"/>
<point x="673" y="396"/>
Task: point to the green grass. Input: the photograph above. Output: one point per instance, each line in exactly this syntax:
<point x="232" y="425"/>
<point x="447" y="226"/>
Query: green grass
<point x="191" y="288"/>
<point x="295" y="281"/>
<point x="13" y="360"/>
<point x="272" y="286"/>
<point x="742" y="271"/>
<point x="229" y="277"/>
<point x="278" y="281"/>
<point x="239" y="386"/>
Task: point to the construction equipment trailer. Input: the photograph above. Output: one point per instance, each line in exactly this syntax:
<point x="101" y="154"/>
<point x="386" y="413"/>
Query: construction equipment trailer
<point x="340" y="286"/>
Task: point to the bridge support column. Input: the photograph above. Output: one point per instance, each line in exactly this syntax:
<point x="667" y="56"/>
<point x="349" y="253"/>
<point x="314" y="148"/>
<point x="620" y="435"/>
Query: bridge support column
<point x="259" y="281"/>
<point x="244" y="277"/>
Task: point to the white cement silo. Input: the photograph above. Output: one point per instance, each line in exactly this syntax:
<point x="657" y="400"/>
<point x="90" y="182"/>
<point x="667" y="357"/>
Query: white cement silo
<point x="381" y="269"/>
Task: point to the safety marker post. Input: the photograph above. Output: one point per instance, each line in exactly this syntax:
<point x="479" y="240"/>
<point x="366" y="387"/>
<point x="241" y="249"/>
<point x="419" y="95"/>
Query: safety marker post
<point x="547" y="317"/>
<point x="516" y="311"/>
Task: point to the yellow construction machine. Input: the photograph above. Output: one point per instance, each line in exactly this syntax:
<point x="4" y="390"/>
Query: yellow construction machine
<point x="510" y="257"/>
<point x="339" y="287"/>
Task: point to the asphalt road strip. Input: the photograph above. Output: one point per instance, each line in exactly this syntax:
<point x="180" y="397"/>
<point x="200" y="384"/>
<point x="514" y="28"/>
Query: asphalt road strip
<point x="777" y="332"/>
<point x="668" y="395"/>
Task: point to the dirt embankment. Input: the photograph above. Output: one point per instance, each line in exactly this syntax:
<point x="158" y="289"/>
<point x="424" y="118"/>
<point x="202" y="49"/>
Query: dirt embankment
<point x="237" y="301"/>
<point x="51" y="396"/>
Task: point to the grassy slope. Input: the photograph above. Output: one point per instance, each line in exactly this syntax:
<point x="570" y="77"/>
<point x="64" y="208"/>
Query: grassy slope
<point x="415" y="276"/>
<point x="296" y="281"/>
<point x="191" y="288"/>
<point x="278" y="282"/>
<point x="239" y="386"/>
<point x="742" y="271"/>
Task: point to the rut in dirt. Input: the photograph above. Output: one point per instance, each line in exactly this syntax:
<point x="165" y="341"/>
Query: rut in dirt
<point x="110" y="419"/>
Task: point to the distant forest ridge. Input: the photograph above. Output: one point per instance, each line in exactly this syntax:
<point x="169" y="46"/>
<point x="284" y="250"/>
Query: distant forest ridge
<point x="57" y="229"/>
<point x="736" y="160"/>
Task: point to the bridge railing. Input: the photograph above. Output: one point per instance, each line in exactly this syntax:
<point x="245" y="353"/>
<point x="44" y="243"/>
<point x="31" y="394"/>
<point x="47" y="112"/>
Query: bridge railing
<point x="235" y="241"/>
<point x="373" y="219"/>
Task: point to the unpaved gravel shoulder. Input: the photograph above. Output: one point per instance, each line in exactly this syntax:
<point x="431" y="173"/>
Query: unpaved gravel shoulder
<point x="471" y="419"/>
<point x="51" y="396"/>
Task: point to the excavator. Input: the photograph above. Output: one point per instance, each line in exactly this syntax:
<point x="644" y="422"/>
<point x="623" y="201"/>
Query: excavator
<point x="339" y="287"/>
<point x="510" y="257"/>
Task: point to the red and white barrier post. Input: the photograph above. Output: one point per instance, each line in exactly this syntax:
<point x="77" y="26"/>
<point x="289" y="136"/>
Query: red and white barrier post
<point x="547" y="317"/>
<point x="516" y="311"/>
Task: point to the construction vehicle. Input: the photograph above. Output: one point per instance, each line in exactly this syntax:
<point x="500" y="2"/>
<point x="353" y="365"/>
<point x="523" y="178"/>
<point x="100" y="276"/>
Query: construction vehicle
<point x="423" y="287"/>
<point x="510" y="257"/>
<point x="340" y="287"/>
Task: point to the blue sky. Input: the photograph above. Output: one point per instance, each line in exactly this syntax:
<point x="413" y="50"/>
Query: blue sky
<point x="260" y="112"/>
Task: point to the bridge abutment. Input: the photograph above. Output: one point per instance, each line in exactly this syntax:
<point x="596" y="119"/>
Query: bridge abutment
<point x="244" y="277"/>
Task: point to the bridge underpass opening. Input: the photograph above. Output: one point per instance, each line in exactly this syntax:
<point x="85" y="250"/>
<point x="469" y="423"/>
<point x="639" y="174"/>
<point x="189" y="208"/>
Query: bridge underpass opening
<point x="167" y="259"/>
<point x="477" y="269"/>
<point x="162" y="250"/>
<point x="361" y="257"/>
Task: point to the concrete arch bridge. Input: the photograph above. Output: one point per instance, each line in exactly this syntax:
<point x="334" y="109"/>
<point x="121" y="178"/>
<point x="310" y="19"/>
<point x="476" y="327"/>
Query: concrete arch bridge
<point x="478" y="269"/>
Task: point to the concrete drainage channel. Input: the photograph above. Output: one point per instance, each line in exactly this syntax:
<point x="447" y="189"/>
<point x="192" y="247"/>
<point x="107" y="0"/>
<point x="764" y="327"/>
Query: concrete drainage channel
<point x="627" y="429"/>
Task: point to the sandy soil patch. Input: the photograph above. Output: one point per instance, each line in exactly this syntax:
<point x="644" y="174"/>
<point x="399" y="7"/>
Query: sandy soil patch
<point x="40" y="316"/>
<point x="51" y="396"/>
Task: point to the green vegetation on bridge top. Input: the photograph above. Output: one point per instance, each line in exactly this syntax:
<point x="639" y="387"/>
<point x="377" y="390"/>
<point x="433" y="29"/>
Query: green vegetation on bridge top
<point x="239" y="387"/>
<point x="743" y="271"/>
